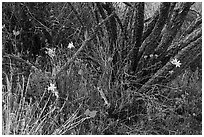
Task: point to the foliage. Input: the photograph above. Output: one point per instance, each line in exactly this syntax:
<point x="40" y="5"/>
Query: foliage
<point x="102" y="68"/>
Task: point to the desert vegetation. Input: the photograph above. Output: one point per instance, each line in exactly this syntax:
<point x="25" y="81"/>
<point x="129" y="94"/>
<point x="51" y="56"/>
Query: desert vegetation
<point x="102" y="68"/>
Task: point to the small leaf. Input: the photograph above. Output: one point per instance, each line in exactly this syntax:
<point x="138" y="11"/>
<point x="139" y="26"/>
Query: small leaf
<point x="86" y="34"/>
<point x="92" y="113"/>
<point x="87" y="112"/>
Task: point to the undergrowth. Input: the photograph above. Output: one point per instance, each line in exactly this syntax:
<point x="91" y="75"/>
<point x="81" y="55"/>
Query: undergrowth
<point x="98" y="72"/>
<point x="174" y="108"/>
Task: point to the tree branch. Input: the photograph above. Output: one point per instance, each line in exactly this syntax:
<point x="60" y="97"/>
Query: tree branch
<point x="173" y="27"/>
<point x="137" y="34"/>
<point x="185" y="56"/>
<point x="150" y="43"/>
<point x="150" y="26"/>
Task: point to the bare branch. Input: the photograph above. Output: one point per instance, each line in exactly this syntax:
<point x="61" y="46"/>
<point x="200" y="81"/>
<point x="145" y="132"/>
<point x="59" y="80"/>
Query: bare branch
<point x="173" y="26"/>
<point x="150" y="43"/>
<point x="137" y="34"/>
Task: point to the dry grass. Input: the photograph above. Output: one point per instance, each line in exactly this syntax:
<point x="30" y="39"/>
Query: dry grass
<point x="175" y="109"/>
<point x="86" y="101"/>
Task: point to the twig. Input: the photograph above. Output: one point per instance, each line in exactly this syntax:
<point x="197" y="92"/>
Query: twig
<point x="103" y="97"/>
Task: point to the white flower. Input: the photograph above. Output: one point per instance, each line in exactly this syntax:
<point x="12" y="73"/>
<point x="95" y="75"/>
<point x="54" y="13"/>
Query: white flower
<point x="51" y="87"/>
<point x="176" y="62"/>
<point x="50" y="52"/>
<point x="71" y="45"/>
<point x="16" y="33"/>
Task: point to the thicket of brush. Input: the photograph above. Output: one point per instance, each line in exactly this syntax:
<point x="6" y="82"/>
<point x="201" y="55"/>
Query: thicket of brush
<point x="101" y="68"/>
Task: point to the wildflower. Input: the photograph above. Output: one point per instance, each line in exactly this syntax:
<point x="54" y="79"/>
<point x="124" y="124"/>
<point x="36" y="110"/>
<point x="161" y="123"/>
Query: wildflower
<point x="151" y="55"/>
<point x="71" y="45"/>
<point x="176" y="62"/>
<point x="53" y="88"/>
<point x="16" y="33"/>
<point x="50" y="52"/>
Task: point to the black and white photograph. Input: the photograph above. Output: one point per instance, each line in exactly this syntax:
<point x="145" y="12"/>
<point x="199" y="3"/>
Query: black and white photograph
<point x="101" y="68"/>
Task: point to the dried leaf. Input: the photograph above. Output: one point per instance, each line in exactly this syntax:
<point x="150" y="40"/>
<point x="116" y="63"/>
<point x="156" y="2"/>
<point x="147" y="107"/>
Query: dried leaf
<point x="87" y="112"/>
<point x="90" y="113"/>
